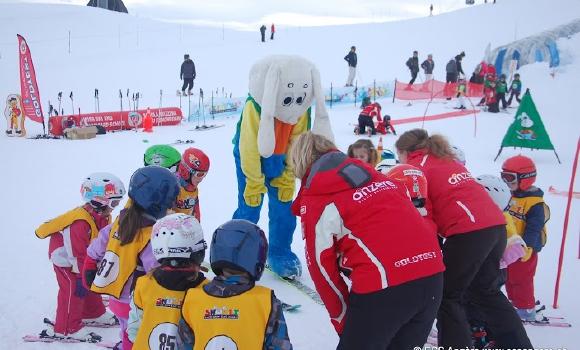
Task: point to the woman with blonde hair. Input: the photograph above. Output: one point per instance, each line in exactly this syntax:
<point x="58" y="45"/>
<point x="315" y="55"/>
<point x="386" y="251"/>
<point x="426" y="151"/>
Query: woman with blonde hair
<point x="357" y="224"/>
<point x="475" y="233"/>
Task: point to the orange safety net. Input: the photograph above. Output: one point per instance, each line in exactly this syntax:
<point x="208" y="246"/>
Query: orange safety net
<point x="434" y="89"/>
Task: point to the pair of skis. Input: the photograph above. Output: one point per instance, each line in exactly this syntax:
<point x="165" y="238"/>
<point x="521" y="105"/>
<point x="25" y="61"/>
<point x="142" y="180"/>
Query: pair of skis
<point x="97" y="340"/>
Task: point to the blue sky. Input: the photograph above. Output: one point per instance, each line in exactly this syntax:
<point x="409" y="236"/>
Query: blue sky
<point x="246" y="14"/>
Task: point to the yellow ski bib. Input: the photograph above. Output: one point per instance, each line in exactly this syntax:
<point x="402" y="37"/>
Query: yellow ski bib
<point x="119" y="262"/>
<point x="65" y="220"/>
<point x="161" y="313"/>
<point x="237" y="322"/>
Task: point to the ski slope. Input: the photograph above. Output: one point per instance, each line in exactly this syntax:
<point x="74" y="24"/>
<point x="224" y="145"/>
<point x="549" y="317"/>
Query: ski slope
<point x="111" y="51"/>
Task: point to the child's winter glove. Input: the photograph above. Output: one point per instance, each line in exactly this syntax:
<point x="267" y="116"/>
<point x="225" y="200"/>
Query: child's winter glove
<point x="253" y="193"/>
<point x="515" y="250"/>
<point x="89" y="272"/>
<point x="80" y="290"/>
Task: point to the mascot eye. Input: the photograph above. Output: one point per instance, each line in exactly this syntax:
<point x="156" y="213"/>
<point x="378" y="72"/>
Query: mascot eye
<point x="299" y="100"/>
<point x="290" y="85"/>
<point x="287" y="101"/>
<point x="305" y="86"/>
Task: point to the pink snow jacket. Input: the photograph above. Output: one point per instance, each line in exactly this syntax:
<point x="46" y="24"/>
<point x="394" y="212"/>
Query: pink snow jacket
<point x="147" y="262"/>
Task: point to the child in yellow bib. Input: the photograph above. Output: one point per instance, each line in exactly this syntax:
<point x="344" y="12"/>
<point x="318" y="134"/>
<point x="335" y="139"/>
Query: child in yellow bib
<point x="179" y="247"/>
<point x="192" y="170"/>
<point x="122" y="252"/>
<point x="530" y="215"/>
<point x="232" y="310"/>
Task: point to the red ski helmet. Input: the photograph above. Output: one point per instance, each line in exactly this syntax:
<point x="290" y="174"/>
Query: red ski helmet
<point x="521" y="169"/>
<point x="194" y="162"/>
<point x="414" y="180"/>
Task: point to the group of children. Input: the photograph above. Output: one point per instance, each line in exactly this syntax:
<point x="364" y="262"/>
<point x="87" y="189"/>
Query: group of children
<point x="495" y="91"/>
<point x="526" y="215"/>
<point x="149" y="262"/>
<point x="370" y="111"/>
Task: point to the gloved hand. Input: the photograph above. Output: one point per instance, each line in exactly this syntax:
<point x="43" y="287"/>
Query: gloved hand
<point x="515" y="249"/>
<point x="285" y="185"/>
<point x="253" y="193"/>
<point x="89" y="272"/>
<point x="529" y="251"/>
<point x="80" y="290"/>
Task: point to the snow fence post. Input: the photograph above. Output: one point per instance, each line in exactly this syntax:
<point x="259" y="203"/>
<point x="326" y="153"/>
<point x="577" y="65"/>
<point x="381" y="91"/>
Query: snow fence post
<point x="565" y="228"/>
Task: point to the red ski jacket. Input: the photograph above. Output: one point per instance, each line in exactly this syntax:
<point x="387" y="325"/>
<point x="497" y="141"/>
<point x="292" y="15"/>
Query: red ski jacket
<point x="373" y="110"/>
<point x="456" y="202"/>
<point x="357" y="222"/>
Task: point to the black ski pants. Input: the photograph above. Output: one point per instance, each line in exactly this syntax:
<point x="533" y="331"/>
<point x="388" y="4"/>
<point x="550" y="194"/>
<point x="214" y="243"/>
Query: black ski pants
<point x="187" y="83"/>
<point x="517" y="96"/>
<point x="501" y="97"/>
<point x="395" y="318"/>
<point x="364" y="122"/>
<point x="413" y="77"/>
<point x="471" y="276"/>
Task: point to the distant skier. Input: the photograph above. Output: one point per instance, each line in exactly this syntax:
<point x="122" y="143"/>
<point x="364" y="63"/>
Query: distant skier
<point x="501" y="89"/>
<point x="263" y="33"/>
<point x="187" y="74"/>
<point x="352" y="61"/>
<point x="431" y="10"/>
<point x="272" y="31"/>
<point x="428" y="65"/>
<point x="413" y="65"/>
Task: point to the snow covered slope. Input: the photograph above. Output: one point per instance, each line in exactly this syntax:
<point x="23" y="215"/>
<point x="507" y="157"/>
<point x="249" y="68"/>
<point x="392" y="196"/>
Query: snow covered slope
<point x="111" y="51"/>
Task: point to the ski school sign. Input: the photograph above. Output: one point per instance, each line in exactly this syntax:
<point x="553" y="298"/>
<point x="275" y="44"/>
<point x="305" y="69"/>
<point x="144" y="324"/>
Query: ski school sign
<point x="112" y="121"/>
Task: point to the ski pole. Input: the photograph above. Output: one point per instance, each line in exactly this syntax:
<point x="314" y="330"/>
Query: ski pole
<point x="128" y="100"/>
<point x="59" y="101"/>
<point x="98" y="107"/>
<point x="95" y="100"/>
<point x="138" y="95"/>
<point x="72" y="103"/>
<point x="121" y="99"/>
<point x="202" y="107"/>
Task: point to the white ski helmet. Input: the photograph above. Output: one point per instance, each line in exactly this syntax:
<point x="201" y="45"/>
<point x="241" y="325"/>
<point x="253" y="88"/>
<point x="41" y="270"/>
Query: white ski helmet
<point x="178" y="236"/>
<point x="102" y="189"/>
<point x="459" y="154"/>
<point x="497" y="189"/>
<point x="385" y="165"/>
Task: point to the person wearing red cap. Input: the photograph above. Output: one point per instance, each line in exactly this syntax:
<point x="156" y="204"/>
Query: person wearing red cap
<point x="530" y="214"/>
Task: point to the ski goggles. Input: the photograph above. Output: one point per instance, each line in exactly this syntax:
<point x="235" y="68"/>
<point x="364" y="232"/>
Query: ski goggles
<point x="511" y="177"/>
<point x="188" y="173"/>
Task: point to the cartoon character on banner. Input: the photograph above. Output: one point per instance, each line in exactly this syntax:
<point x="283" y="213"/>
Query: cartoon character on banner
<point x="277" y="110"/>
<point x="526" y="133"/>
<point x="134" y="120"/>
<point x="14" y="113"/>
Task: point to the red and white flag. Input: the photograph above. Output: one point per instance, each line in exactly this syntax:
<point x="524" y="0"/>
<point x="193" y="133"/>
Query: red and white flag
<point x="28" y="85"/>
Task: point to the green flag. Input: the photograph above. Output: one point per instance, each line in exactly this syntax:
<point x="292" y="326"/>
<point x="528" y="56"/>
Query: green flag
<point x="527" y="129"/>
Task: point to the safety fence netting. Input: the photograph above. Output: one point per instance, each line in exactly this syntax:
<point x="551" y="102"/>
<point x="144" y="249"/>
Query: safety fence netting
<point x="434" y="89"/>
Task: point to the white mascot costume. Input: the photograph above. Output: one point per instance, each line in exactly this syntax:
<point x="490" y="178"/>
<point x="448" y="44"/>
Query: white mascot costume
<point x="282" y="90"/>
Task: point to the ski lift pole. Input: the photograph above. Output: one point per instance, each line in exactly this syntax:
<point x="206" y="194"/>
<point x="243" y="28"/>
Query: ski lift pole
<point x="121" y="99"/>
<point x="128" y="100"/>
<point x="138" y="96"/>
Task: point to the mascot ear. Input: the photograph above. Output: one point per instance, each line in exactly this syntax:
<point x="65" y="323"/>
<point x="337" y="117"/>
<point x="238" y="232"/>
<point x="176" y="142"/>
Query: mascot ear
<point x="266" y="134"/>
<point x="321" y="121"/>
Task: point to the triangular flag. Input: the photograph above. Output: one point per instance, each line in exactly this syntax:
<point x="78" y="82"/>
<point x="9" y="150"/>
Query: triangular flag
<point x="527" y="129"/>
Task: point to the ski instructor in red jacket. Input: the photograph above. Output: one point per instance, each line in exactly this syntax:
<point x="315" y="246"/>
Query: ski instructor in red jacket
<point x="358" y="223"/>
<point x="475" y="239"/>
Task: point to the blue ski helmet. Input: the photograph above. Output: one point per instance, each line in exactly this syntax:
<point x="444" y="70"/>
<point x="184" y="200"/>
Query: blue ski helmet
<point x="239" y="245"/>
<point x="154" y="189"/>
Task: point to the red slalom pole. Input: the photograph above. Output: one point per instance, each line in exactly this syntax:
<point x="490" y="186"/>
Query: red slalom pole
<point x="565" y="229"/>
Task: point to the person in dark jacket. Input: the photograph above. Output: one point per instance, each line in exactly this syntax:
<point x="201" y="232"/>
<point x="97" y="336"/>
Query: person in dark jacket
<point x="413" y="64"/>
<point x="458" y="60"/>
<point x="475" y="232"/>
<point x="352" y="60"/>
<point x="428" y="65"/>
<point x="515" y="89"/>
<point x="263" y="33"/>
<point x="187" y="74"/>
<point x="451" y="77"/>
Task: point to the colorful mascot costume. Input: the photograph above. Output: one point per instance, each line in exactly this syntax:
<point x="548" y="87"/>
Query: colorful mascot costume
<point x="14" y="113"/>
<point x="282" y="90"/>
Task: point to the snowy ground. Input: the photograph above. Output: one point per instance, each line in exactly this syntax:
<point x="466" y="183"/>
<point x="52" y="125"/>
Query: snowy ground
<point x="41" y="178"/>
